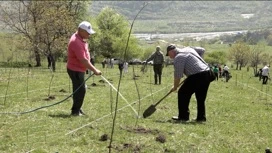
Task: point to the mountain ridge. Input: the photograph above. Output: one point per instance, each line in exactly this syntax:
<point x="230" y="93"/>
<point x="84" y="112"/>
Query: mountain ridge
<point x="192" y="16"/>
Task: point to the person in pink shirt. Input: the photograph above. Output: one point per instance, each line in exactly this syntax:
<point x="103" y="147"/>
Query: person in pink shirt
<point x="78" y="61"/>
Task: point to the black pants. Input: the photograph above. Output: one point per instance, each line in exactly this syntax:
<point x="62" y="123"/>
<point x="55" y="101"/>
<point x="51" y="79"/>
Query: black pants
<point x="157" y="68"/>
<point x="216" y="75"/>
<point x="198" y="84"/>
<point x="78" y="86"/>
<point x="265" y="78"/>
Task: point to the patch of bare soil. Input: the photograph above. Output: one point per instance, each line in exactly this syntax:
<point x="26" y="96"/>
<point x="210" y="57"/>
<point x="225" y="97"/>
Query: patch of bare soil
<point x="161" y="138"/>
<point x="104" y="137"/>
<point x="142" y="130"/>
<point x="129" y="147"/>
<point x="101" y="81"/>
<point x="62" y="90"/>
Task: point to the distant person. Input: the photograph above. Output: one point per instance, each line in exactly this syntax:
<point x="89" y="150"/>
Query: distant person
<point x="51" y="62"/>
<point x="158" y="60"/>
<point x="125" y="67"/>
<point x="265" y="73"/>
<point x="215" y="71"/>
<point x="226" y="73"/>
<point x="260" y="74"/>
<point x="188" y="62"/>
<point x="78" y="61"/>
<point x="111" y="63"/>
<point x="120" y="66"/>
<point x="92" y="62"/>
<point x="103" y="63"/>
<point x="220" y="71"/>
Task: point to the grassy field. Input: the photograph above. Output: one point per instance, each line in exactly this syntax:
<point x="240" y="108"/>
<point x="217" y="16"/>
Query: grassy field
<point x="238" y="114"/>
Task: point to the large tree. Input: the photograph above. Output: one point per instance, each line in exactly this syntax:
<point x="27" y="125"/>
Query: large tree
<point x="266" y="59"/>
<point x="17" y="16"/>
<point x="44" y="24"/>
<point x="113" y="35"/>
<point x="57" y="25"/>
<point x="255" y="56"/>
<point x="215" y="57"/>
<point x="239" y="53"/>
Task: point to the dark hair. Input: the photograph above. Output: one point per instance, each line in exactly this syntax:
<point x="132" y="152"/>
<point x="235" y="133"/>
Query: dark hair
<point x="170" y="47"/>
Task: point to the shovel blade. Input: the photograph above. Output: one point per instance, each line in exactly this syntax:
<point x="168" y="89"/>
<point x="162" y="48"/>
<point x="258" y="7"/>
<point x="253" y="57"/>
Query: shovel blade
<point x="149" y="111"/>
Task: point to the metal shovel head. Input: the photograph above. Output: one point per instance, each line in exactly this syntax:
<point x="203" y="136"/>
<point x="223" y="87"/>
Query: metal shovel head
<point x="149" y="111"/>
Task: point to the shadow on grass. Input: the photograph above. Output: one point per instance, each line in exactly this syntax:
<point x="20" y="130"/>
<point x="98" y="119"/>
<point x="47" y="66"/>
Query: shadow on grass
<point x="95" y="85"/>
<point x="148" y="82"/>
<point x="60" y="115"/>
<point x="268" y="104"/>
<point x="180" y="122"/>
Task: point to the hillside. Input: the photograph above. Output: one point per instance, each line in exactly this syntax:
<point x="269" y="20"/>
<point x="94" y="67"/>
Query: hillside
<point x="192" y="16"/>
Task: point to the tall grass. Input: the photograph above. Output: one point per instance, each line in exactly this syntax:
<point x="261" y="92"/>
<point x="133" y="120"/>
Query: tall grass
<point x="238" y="115"/>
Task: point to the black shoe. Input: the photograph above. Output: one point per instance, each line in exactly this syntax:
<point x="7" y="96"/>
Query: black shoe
<point x="176" y="118"/>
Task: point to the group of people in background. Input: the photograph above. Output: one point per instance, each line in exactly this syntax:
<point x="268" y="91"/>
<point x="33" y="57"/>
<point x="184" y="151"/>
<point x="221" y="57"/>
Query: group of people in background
<point x="224" y="72"/>
<point x="263" y="73"/>
<point x="123" y="67"/>
<point x="221" y="72"/>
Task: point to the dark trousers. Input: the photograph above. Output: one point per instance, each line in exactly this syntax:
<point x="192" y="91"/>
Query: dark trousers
<point x="216" y="75"/>
<point x="157" y="68"/>
<point x="265" y="78"/>
<point x="78" y="86"/>
<point x="198" y="84"/>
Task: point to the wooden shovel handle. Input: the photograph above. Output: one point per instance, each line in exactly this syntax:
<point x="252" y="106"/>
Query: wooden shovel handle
<point x="162" y="98"/>
<point x="167" y="94"/>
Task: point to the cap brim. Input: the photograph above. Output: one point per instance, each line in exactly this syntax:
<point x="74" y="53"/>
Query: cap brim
<point x="91" y="31"/>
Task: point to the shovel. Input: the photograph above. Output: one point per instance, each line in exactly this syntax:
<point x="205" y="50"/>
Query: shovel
<point x="151" y="109"/>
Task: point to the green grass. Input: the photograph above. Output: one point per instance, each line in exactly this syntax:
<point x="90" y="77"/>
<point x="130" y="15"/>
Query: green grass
<point x="238" y="114"/>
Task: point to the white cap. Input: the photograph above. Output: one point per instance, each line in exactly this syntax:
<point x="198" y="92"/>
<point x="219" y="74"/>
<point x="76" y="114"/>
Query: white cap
<point x="86" y="26"/>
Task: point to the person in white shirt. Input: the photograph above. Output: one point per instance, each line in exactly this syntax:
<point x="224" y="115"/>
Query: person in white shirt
<point x="226" y="72"/>
<point x="125" y="67"/>
<point x="226" y="68"/>
<point x="265" y="73"/>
